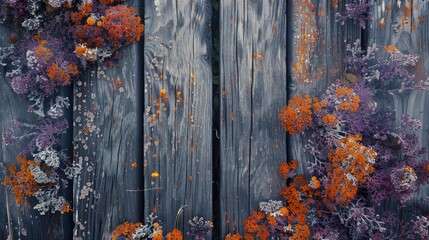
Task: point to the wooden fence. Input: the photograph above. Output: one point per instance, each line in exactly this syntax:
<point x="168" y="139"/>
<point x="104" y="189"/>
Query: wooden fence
<point x="189" y="115"/>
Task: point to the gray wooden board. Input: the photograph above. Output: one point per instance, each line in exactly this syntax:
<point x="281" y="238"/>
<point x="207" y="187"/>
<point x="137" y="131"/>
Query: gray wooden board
<point x="253" y="88"/>
<point x="19" y="221"/>
<point x="107" y="127"/>
<point x="322" y="54"/>
<point x="404" y="25"/>
<point x="177" y="130"/>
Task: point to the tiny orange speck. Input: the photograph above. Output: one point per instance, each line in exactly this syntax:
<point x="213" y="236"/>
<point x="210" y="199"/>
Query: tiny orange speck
<point x="155" y="174"/>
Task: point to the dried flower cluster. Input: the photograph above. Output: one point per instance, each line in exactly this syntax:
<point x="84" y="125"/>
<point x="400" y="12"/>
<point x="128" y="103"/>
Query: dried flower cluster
<point x="199" y="230"/>
<point x="55" y="41"/>
<point x="360" y="156"/>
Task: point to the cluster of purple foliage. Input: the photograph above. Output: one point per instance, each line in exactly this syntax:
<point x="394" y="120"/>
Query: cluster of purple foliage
<point x="39" y="53"/>
<point x="387" y="69"/>
<point x="199" y="228"/>
<point x="358" y="12"/>
<point x="398" y="170"/>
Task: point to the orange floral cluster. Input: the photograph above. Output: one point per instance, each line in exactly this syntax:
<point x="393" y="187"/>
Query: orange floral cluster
<point x="297" y="115"/>
<point x="42" y="53"/>
<point x="349" y="100"/>
<point x="350" y="165"/>
<point x="123" y="25"/>
<point x="21" y="181"/>
<point x="255" y="225"/>
<point x="319" y="105"/>
<point x="330" y="120"/>
<point x="62" y="74"/>
<point x="298" y="196"/>
<point x="117" y="26"/>
<point x="286" y="168"/>
<point x="176" y="234"/>
<point x="125" y="230"/>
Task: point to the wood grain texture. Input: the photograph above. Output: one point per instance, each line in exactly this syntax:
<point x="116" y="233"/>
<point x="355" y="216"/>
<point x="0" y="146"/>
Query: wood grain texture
<point x="317" y="52"/>
<point x="404" y="25"/>
<point x="107" y="133"/>
<point x="19" y="221"/>
<point x="178" y="111"/>
<point x="253" y="88"/>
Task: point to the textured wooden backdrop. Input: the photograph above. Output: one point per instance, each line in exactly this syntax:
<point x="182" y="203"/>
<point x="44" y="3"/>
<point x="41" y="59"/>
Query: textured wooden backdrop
<point x="143" y="130"/>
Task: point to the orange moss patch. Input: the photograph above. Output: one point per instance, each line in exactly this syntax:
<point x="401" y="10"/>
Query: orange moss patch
<point x="286" y="168"/>
<point x="297" y="115"/>
<point x="42" y="53"/>
<point x="21" y="180"/>
<point x="125" y="230"/>
<point x="176" y="234"/>
<point x="350" y="165"/>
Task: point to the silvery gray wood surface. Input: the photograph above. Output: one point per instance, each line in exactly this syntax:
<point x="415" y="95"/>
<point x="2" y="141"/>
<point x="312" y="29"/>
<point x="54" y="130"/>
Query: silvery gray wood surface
<point x="177" y="130"/>
<point x="19" y="221"/>
<point x="107" y="141"/>
<point x="319" y="45"/>
<point x="404" y="24"/>
<point x="253" y="88"/>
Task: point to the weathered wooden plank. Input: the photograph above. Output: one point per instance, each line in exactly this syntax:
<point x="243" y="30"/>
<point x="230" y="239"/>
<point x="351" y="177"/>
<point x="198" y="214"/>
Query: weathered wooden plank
<point x="19" y="221"/>
<point x="253" y="88"/>
<point x="178" y="111"/>
<point x="404" y="25"/>
<point x="318" y="50"/>
<point x="107" y="134"/>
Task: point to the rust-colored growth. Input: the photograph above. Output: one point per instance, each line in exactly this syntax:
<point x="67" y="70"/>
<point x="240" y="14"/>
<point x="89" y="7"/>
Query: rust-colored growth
<point x="407" y="12"/>
<point x="382" y="23"/>
<point x="350" y="165"/>
<point x="236" y="236"/>
<point x="21" y="180"/>
<point x="306" y="40"/>
<point x="334" y="3"/>
<point x="286" y="168"/>
<point x="42" y="53"/>
<point x="134" y="165"/>
<point x="297" y="115"/>
<point x="125" y="230"/>
<point x="176" y="234"/>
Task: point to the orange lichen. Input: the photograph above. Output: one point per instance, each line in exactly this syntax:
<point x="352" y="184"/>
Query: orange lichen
<point x="350" y="165"/>
<point x="62" y="74"/>
<point x="330" y="120"/>
<point x="157" y="235"/>
<point x="65" y="208"/>
<point x="176" y="234"/>
<point x="297" y="115"/>
<point x="125" y="230"/>
<point x="391" y="49"/>
<point x="319" y="105"/>
<point x="315" y="183"/>
<point x="134" y="165"/>
<point x="80" y="50"/>
<point x="306" y="40"/>
<point x="254" y="225"/>
<point x="154" y="174"/>
<point x="90" y="21"/>
<point x="236" y="236"/>
<point x="349" y="101"/>
<point x="42" y="53"/>
<point x="21" y="181"/>
<point x="382" y="23"/>
<point x="302" y="232"/>
<point x="163" y="94"/>
<point x="123" y="25"/>
<point x="286" y="168"/>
